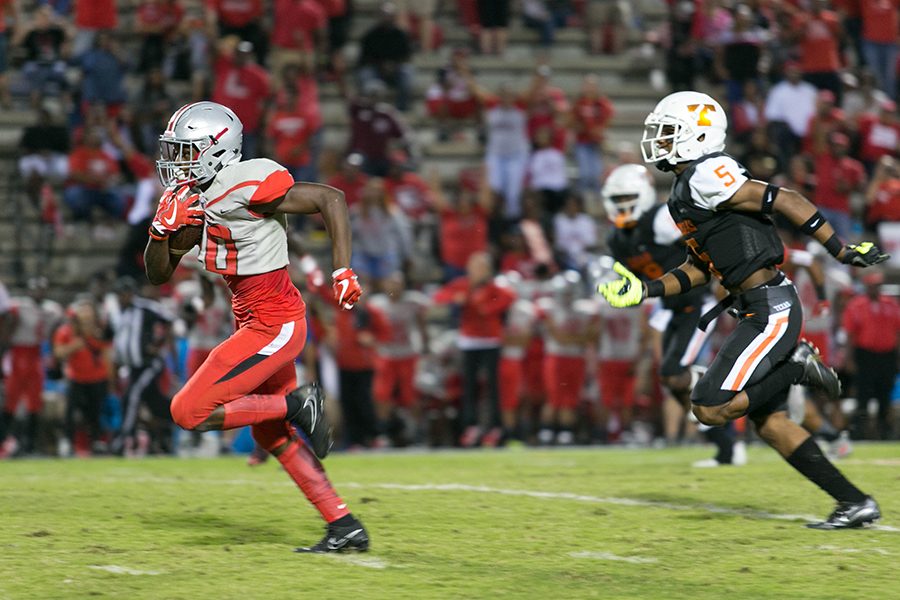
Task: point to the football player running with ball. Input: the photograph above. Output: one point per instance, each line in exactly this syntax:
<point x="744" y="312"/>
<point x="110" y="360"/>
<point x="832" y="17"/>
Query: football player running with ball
<point x="724" y="217"/>
<point x="249" y="379"/>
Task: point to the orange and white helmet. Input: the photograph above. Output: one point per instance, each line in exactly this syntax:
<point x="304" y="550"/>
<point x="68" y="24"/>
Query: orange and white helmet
<point x="683" y="127"/>
<point x="628" y="193"/>
<point x="199" y="140"/>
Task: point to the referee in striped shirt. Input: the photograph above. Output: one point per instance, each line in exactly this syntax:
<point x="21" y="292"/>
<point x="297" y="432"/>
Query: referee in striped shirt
<point x="142" y="333"/>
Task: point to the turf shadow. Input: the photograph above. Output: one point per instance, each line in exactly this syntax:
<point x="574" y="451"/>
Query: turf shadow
<point x="206" y="529"/>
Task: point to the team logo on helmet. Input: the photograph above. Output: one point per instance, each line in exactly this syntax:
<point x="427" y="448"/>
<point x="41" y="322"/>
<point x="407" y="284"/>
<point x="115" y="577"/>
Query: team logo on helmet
<point x="683" y="127"/>
<point x="200" y="139"/>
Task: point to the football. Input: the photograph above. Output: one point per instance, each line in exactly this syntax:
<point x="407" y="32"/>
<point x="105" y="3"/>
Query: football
<point x="184" y="239"/>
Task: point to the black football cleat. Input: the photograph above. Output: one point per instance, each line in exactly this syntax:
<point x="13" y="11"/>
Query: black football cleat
<point x="816" y="373"/>
<point x="346" y="538"/>
<point x="848" y="515"/>
<point x="310" y="418"/>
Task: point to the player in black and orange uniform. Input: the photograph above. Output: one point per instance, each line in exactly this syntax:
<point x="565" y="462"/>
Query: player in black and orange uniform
<point x="724" y="218"/>
<point x="648" y="242"/>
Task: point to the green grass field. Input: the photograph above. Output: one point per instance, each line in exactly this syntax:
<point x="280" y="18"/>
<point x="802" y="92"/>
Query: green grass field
<point x="505" y="524"/>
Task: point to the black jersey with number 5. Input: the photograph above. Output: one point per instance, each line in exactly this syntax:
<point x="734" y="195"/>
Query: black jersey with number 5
<point x="732" y="244"/>
<point x="652" y="248"/>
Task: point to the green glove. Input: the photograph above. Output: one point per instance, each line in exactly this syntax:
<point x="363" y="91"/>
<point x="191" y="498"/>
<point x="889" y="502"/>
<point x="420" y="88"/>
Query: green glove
<point x="864" y="254"/>
<point x="628" y="291"/>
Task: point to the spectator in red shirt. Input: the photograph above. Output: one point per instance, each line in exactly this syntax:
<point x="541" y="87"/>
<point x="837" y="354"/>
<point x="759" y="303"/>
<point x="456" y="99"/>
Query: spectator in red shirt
<point x="483" y="304"/>
<point x="350" y="179"/>
<point x="516" y="255"/>
<point x="157" y="21"/>
<point x="454" y="96"/>
<point x="407" y="190"/>
<point x="92" y="16"/>
<point x="883" y="194"/>
<point x="837" y="177"/>
<point x="353" y="337"/>
<point x="819" y="33"/>
<point x="242" y="18"/>
<point x="92" y="175"/>
<point x="290" y="130"/>
<point x="590" y="115"/>
<point x="463" y="227"/>
<point x="880" y="24"/>
<point x="548" y="108"/>
<point x="872" y="323"/>
<point x="376" y="129"/>
<point x="243" y="86"/>
<point x="84" y="351"/>
<point x="828" y="118"/>
<point x="879" y="135"/>
<point x="298" y="29"/>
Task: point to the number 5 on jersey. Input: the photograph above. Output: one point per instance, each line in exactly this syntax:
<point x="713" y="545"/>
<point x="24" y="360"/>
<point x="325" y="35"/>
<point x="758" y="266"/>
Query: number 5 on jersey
<point x="723" y="173"/>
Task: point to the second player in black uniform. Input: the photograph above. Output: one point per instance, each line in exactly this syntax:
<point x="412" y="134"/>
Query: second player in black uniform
<point x="647" y="241"/>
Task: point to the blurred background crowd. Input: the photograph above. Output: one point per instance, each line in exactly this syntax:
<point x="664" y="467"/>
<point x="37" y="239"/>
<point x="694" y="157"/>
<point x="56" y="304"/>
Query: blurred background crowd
<point x="471" y="138"/>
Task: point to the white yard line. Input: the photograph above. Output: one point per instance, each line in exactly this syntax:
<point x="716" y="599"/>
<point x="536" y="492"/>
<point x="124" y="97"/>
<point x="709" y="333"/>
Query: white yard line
<point x="462" y="487"/>
<point x="829" y="548"/>
<point x="370" y="562"/>
<point x="119" y="570"/>
<point x="871" y="462"/>
<point x="635" y="560"/>
<point x="712" y="508"/>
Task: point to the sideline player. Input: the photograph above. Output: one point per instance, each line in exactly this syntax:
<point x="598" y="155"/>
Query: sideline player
<point x="725" y="219"/>
<point x="249" y="379"/>
<point x="402" y="313"/>
<point x="648" y="242"/>
<point x="568" y="322"/>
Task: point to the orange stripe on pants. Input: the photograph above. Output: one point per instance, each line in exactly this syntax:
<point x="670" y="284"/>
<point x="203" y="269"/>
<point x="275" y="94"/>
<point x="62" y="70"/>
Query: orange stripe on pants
<point x="763" y="347"/>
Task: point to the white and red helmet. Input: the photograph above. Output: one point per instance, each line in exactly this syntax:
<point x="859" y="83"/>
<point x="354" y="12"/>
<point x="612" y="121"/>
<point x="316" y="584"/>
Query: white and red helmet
<point x="628" y="193"/>
<point x="683" y="127"/>
<point x="199" y="140"/>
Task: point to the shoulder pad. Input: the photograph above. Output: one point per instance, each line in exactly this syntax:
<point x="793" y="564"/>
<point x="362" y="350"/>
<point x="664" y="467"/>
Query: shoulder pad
<point x="715" y="180"/>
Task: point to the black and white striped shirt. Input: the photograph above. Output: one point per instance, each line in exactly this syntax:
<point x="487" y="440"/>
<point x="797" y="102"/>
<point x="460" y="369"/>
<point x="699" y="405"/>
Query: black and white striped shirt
<point x="139" y="331"/>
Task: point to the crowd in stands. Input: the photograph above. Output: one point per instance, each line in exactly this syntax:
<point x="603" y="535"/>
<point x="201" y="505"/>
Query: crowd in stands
<point x="478" y="325"/>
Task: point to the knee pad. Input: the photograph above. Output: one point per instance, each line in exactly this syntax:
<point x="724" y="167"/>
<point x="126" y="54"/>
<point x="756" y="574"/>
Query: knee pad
<point x="182" y="415"/>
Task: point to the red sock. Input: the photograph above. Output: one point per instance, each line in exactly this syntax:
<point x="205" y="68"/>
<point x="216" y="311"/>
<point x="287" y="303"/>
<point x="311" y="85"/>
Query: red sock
<point x="309" y="475"/>
<point x="254" y="409"/>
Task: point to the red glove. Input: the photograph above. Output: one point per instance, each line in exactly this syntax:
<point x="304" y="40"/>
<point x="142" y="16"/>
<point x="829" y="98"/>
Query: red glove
<point x="177" y="208"/>
<point x="346" y="287"/>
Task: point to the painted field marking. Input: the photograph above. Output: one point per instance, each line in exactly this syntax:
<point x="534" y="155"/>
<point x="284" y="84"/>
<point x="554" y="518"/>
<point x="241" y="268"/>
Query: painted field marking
<point x="635" y="560"/>
<point x="370" y="562"/>
<point x="712" y="508"/>
<point x="462" y="487"/>
<point x="119" y="570"/>
<point x="829" y="548"/>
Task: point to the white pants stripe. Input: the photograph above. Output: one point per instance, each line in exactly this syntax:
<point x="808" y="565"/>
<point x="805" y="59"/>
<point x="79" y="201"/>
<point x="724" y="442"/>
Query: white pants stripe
<point x="756" y="351"/>
<point x="280" y="341"/>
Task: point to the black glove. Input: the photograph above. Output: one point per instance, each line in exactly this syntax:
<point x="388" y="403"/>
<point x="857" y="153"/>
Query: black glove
<point x="865" y="254"/>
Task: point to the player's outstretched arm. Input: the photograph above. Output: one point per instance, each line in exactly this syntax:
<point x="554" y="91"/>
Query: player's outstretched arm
<point x="306" y="198"/>
<point x="309" y="198"/>
<point x="761" y="197"/>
